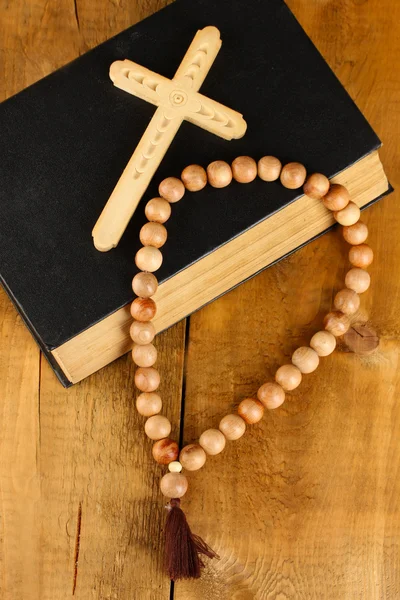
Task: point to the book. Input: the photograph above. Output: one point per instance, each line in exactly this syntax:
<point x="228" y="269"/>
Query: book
<point x="66" y="140"/>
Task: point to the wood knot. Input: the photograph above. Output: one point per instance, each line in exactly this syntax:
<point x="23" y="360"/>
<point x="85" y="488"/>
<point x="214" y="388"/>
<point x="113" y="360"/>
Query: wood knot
<point x="361" y="338"/>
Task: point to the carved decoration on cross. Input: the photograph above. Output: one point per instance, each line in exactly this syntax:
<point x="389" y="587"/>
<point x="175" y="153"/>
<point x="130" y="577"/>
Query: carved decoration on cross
<point x="177" y="100"/>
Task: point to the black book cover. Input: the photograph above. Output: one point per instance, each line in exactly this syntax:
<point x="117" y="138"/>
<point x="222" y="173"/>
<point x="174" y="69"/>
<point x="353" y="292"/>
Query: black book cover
<point x="66" y="140"/>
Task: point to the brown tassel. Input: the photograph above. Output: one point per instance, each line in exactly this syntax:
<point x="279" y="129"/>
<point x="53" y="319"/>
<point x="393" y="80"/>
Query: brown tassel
<point x="182" y="547"/>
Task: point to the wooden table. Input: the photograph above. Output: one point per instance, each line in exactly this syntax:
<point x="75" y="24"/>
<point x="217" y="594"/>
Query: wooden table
<point x="305" y="506"/>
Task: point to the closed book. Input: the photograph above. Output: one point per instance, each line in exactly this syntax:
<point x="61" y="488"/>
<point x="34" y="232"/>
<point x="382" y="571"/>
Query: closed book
<point x="66" y="140"/>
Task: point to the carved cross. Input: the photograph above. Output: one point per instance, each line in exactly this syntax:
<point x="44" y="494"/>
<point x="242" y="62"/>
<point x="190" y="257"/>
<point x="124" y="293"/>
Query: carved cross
<point x="177" y="100"/>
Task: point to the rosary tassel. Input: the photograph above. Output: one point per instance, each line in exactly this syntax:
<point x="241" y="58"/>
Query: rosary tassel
<point x="182" y="547"/>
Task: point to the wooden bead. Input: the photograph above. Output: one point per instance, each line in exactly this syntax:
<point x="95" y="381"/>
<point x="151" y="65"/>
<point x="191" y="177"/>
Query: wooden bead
<point x="337" y="197"/>
<point x="316" y="186"/>
<point x="212" y="441"/>
<point x="288" y="376"/>
<point x="175" y="466"/>
<point x="148" y="259"/>
<point x="165" y="451"/>
<point x="172" y="189"/>
<point x="157" y="427"/>
<point x="147" y="379"/>
<point x="269" y="168"/>
<point x="192" y="457"/>
<point x="337" y="323"/>
<point x="153" y="234"/>
<point x="348" y="215"/>
<point x="194" y="178"/>
<point x="158" y="210"/>
<point x="271" y="395"/>
<point x="144" y="284"/>
<point x="347" y="301"/>
<point x="358" y="280"/>
<point x="355" y="234"/>
<point x="144" y="355"/>
<point x="323" y="342"/>
<point x="143" y="309"/>
<point x="232" y="426"/>
<point x="251" y="410"/>
<point x="244" y="169"/>
<point x="219" y="174"/>
<point x="361" y="256"/>
<point x="173" y="485"/>
<point x="361" y="338"/>
<point x="293" y="175"/>
<point x="142" y="332"/>
<point x="148" y="404"/>
<point x="305" y="359"/>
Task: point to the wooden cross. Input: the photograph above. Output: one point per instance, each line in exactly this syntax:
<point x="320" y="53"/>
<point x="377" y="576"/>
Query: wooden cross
<point x="177" y="100"/>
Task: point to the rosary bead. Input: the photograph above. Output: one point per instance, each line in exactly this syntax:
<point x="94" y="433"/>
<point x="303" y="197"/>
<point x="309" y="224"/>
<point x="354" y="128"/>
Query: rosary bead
<point x="148" y="404"/>
<point x="251" y="410"/>
<point x="192" y="457"/>
<point x="323" y="342"/>
<point x="244" y="169"/>
<point x="337" y="323"/>
<point x="144" y="284"/>
<point x="175" y="466"/>
<point x="157" y="427"/>
<point x="174" y="485"/>
<point x="194" y="178"/>
<point x="348" y="215"/>
<point x="358" y="280"/>
<point x="172" y="189"/>
<point x="153" y="234"/>
<point x="293" y="175"/>
<point x="232" y="426"/>
<point x="316" y="186"/>
<point x="219" y="174"/>
<point x="158" y="210"/>
<point x="289" y="377"/>
<point x="347" y="301"/>
<point x="142" y="332"/>
<point x="147" y="379"/>
<point x="271" y="395"/>
<point x="337" y="197"/>
<point x="148" y="258"/>
<point x="361" y="256"/>
<point x="305" y="359"/>
<point x="165" y="451"/>
<point x="212" y="441"/>
<point x="269" y="168"/>
<point x="143" y="309"/>
<point x="355" y="234"/>
<point x="144" y="355"/>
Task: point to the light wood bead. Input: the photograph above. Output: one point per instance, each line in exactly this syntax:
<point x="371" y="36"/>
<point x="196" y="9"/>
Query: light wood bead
<point x="173" y="485"/>
<point x="194" y="178"/>
<point x="323" y="342"/>
<point x="269" y="168"/>
<point x="251" y="410"/>
<point x="158" y="210"/>
<point x="271" y="395"/>
<point x="316" y="186"/>
<point x="244" y="169"/>
<point x="157" y="427"/>
<point x="147" y="379"/>
<point x="337" y="197"/>
<point x="192" y="457"/>
<point x="361" y="256"/>
<point x="144" y="355"/>
<point x="348" y="215"/>
<point x="165" y="451"/>
<point x="232" y="426"/>
<point x="293" y="175"/>
<point x="219" y="174"/>
<point x="212" y="441"/>
<point x="347" y="301"/>
<point x="144" y="284"/>
<point x="358" y="280"/>
<point x="305" y="359"/>
<point x="337" y="323"/>
<point x="148" y="259"/>
<point x="153" y="234"/>
<point x="143" y="309"/>
<point x="142" y="332"/>
<point x="355" y="234"/>
<point x="172" y="189"/>
<point x="148" y="404"/>
<point x="289" y="377"/>
<point x="175" y="466"/>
